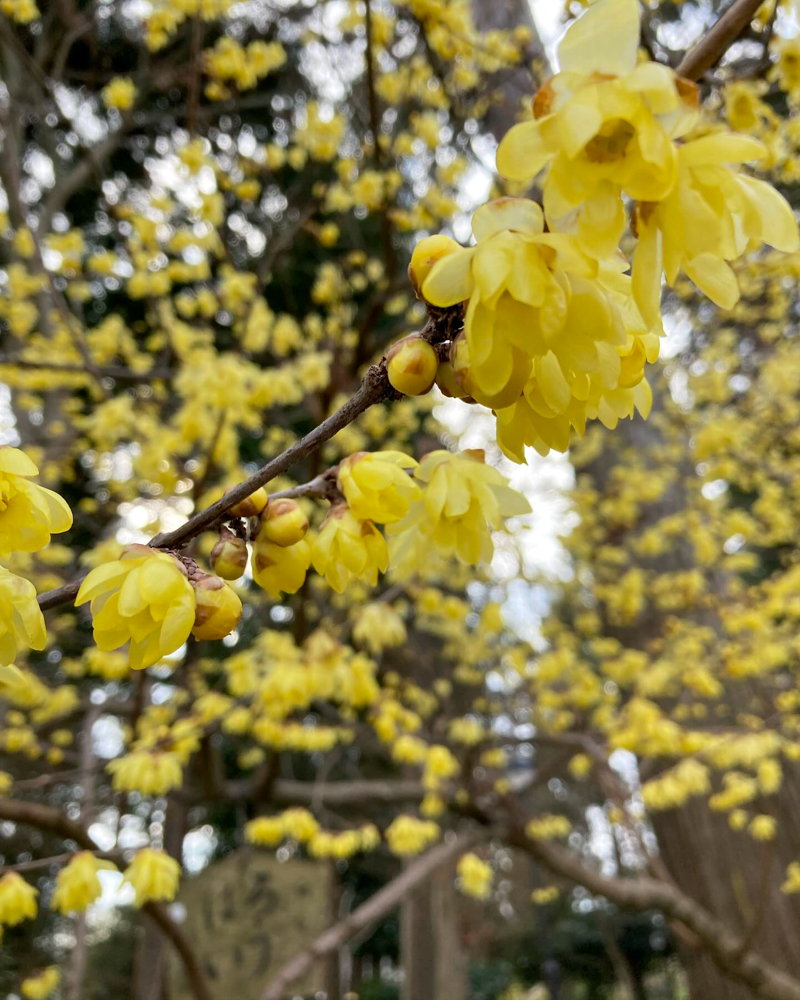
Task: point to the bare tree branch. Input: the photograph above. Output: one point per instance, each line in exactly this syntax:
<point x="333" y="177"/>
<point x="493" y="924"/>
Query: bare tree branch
<point x="713" y="45"/>
<point x="369" y="913"/>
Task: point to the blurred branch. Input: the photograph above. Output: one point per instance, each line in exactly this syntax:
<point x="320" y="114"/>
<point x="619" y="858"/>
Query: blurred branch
<point x="644" y="893"/>
<point x="366" y="915"/>
<point x="47" y="818"/>
<point x="713" y="45"/>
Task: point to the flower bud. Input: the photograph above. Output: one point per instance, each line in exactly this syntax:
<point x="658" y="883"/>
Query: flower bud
<point x="427" y="252"/>
<point x="218" y="608"/>
<point x="450" y="382"/>
<point x="282" y="523"/>
<point x="252" y="505"/>
<point x="229" y="556"/>
<point x="412" y="365"/>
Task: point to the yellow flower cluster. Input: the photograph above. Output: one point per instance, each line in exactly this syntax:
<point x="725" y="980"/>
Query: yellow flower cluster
<point x="407" y="835"/>
<point x="475" y="876"/>
<point x="548" y="827"/>
<point x="154" y="876"/>
<point x="17" y="900"/>
<point x="77" y="884"/>
<point x="40" y="986"/>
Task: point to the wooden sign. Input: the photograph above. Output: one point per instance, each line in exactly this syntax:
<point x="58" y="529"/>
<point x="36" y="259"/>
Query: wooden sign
<point x="248" y="915"/>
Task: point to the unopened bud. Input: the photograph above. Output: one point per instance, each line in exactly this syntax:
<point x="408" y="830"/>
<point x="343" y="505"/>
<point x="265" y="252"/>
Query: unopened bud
<point x="251" y="505"/>
<point x="229" y="556"/>
<point x="283" y="523"/>
<point x="427" y="252"/>
<point x="217" y="608"/>
<point x="412" y="365"/>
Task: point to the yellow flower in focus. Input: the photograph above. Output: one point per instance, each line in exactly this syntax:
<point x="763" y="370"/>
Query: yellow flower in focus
<point x="154" y="876"/>
<point x="144" y="597"/>
<point x="377" y="486"/>
<point x="17" y="899"/>
<point x="28" y="512"/>
<point x="464" y="500"/>
<point x="21" y="619"/>
<point x="280" y="569"/>
<point x="603" y="117"/>
<point x="475" y="876"/>
<point x="119" y="93"/>
<point x="40" y="986"/>
<point x="346" y="547"/>
<point x="713" y="215"/>
<point x="145" y="772"/>
<point x="77" y="885"/>
<point x="407" y="835"/>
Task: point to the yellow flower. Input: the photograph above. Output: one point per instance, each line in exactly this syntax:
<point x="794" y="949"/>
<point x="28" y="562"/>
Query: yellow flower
<point x="120" y="93"/>
<point x="713" y="215"/>
<point x="792" y="882"/>
<point x="144" y="597"/>
<point x="21" y="620"/>
<point x="762" y="827"/>
<point x="17" y="899"/>
<point x="28" y="512"/>
<point x="407" y="835"/>
<point x="6" y="782"/>
<point x="603" y="117"/>
<point x="378" y="627"/>
<point x="149" y="773"/>
<point x="40" y="986"/>
<point x="548" y="827"/>
<point x="377" y="486"/>
<point x="218" y="608"/>
<point x="475" y="876"/>
<point x="463" y="501"/>
<point x="346" y="547"/>
<point x="154" y="876"/>
<point x="77" y="885"/>
<point x="280" y="569"/>
<point x="267" y="831"/>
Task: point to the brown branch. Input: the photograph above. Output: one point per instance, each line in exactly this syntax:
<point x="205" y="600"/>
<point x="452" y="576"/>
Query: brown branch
<point x="366" y="915"/>
<point x="47" y="818"/>
<point x="374" y="388"/>
<point x="713" y="45"/>
<point x="643" y="893"/>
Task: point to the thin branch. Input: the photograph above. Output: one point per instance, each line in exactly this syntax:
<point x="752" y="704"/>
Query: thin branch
<point x="374" y="388"/>
<point x="366" y="915"/>
<point x="723" y="946"/>
<point x="713" y="45"/>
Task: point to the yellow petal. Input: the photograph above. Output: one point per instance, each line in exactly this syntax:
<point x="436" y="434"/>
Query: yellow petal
<point x="450" y="280"/>
<point x="603" y="40"/>
<point x="729" y="147"/>
<point x="777" y="224"/>
<point x="647" y="268"/>
<point x="524" y="150"/>
<point x="518" y="214"/>
<point x="715" y="278"/>
<point x="16" y="462"/>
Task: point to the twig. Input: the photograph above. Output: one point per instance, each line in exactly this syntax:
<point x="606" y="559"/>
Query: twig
<point x="366" y="915"/>
<point x="374" y="388"/>
<point x="713" y="45"/>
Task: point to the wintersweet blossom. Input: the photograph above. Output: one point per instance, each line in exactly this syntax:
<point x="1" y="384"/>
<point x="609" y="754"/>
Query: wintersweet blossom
<point x="144" y="598"/>
<point x="280" y="569"/>
<point x="347" y="547"/>
<point x="377" y="486"/>
<point x="21" y="619"/>
<point x="475" y="876"/>
<point x="407" y="835"/>
<point x="154" y="876"/>
<point x="17" y="899"/>
<point x="150" y="773"/>
<point x="29" y="513"/>
<point x="77" y="884"/>
<point x="463" y="500"/>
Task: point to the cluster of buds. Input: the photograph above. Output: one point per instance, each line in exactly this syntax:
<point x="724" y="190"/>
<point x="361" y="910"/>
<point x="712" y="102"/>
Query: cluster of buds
<point x="217" y="606"/>
<point x="412" y="363"/>
<point x="281" y="554"/>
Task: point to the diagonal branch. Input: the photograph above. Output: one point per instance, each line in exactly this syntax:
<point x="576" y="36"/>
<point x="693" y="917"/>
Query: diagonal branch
<point x="713" y="45"/>
<point x="642" y="893"/>
<point x="366" y="915"/>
